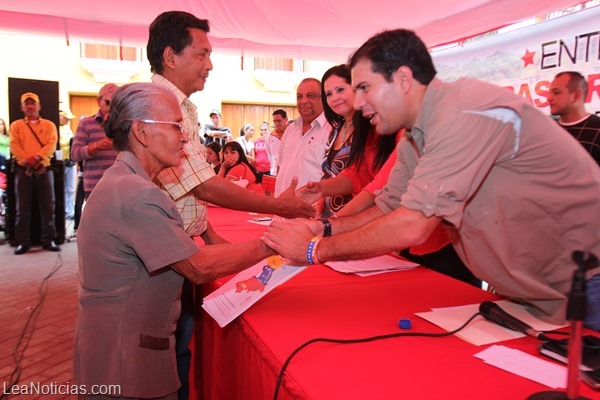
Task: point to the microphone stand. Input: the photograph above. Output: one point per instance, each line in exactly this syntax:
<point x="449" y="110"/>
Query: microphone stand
<point x="576" y="312"/>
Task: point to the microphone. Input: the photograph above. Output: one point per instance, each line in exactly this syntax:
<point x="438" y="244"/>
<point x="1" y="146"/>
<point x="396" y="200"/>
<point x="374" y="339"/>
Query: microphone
<point x="494" y="313"/>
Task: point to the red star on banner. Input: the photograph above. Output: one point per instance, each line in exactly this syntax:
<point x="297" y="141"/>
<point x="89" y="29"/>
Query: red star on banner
<point x="528" y="58"/>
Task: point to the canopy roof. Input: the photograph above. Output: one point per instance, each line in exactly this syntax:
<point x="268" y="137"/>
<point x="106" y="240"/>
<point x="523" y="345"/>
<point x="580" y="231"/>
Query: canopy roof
<point x="303" y="29"/>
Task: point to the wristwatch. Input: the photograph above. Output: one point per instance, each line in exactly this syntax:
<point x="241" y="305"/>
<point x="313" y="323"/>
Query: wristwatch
<point x="326" y="227"/>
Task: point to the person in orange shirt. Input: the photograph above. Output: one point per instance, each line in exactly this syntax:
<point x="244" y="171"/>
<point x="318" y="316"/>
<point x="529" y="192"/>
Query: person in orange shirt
<point x="32" y="142"/>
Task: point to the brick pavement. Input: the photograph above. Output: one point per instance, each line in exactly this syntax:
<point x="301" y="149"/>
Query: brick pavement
<point x="48" y="357"/>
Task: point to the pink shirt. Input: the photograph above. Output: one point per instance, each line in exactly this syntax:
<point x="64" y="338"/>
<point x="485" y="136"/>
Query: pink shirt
<point x="261" y="158"/>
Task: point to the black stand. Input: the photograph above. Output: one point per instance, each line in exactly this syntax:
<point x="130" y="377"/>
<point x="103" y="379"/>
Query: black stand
<point x="576" y="311"/>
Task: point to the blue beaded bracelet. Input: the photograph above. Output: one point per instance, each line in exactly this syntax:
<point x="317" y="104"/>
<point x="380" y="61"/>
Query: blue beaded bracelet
<point x="311" y="251"/>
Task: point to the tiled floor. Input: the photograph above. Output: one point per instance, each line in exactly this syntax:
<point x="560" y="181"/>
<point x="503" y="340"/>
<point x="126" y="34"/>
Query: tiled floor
<point x="46" y="349"/>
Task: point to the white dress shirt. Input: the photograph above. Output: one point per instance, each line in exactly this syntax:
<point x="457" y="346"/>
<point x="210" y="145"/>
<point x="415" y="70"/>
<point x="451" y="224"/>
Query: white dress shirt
<point x="302" y="155"/>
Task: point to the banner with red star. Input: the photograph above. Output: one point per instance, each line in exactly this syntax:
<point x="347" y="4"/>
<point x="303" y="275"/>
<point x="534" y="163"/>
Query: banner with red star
<point x="526" y="60"/>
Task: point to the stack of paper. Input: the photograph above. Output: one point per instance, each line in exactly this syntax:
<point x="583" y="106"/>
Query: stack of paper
<point x="525" y="365"/>
<point x="372" y="266"/>
<point x="480" y="331"/>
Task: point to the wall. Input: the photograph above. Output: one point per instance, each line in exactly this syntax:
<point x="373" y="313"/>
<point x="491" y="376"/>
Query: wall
<point x="50" y="58"/>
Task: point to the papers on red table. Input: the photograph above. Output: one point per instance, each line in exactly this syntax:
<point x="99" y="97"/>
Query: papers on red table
<point x="372" y="266"/>
<point x="246" y="288"/>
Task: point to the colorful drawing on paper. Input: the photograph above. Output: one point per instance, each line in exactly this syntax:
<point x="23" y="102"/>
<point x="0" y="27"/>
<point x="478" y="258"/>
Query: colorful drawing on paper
<point x="259" y="283"/>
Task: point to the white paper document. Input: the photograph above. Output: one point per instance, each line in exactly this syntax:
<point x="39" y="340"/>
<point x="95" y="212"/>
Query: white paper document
<point x="261" y="221"/>
<point x="525" y="365"/>
<point x="246" y="288"/>
<point x="370" y="266"/>
<point x="481" y="331"/>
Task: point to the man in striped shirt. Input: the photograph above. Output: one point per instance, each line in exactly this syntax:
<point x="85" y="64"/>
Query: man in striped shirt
<point x="90" y="143"/>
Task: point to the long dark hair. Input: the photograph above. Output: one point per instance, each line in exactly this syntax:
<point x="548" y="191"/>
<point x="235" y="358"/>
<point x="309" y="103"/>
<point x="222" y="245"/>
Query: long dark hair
<point x="335" y="120"/>
<point x="216" y="147"/>
<point x="362" y="127"/>
<point x="235" y="146"/>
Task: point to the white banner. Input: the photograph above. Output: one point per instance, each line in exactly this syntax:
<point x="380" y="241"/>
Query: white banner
<point x="526" y="60"/>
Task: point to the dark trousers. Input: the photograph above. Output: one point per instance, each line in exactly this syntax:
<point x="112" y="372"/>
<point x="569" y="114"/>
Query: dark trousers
<point x="447" y="262"/>
<point x="183" y="336"/>
<point x="42" y="185"/>
<point x="79" y="199"/>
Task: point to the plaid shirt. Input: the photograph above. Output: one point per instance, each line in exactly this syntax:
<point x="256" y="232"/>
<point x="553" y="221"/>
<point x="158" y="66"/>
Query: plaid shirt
<point x="179" y="181"/>
<point x="587" y="132"/>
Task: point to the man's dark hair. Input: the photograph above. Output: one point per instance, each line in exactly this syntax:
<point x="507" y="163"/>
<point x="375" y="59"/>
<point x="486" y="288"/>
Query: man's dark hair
<point x="280" y="112"/>
<point x="171" y="29"/>
<point x="389" y="50"/>
<point x="576" y="81"/>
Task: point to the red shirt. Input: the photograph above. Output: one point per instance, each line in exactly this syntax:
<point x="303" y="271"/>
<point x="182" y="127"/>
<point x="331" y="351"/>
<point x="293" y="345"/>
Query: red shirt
<point x="365" y="177"/>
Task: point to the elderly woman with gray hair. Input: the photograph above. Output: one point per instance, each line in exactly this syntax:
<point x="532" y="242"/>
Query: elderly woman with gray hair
<point x="134" y="253"/>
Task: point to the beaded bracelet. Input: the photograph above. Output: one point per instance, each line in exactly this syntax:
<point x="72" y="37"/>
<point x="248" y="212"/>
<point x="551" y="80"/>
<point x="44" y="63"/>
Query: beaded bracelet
<point x="311" y="251"/>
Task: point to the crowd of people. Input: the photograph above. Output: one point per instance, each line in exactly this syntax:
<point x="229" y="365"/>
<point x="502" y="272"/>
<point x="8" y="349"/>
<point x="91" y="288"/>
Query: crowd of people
<point x="466" y="178"/>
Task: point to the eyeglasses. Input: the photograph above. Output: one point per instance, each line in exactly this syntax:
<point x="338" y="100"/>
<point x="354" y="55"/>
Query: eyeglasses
<point x="179" y="125"/>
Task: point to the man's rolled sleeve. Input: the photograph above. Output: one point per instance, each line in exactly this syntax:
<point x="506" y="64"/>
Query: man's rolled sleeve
<point x="390" y="196"/>
<point x="181" y="180"/>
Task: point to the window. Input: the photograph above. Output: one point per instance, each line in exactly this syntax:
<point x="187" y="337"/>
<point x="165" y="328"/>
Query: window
<point x="110" y="52"/>
<point x="277" y="64"/>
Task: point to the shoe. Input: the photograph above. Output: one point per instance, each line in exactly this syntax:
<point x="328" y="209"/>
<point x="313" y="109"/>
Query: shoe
<point x="22" y="248"/>
<point x="51" y="246"/>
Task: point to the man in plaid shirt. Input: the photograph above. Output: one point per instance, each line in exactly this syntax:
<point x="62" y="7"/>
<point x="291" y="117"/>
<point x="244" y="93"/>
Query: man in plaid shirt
<point x="179" y="54"/>
<point x="568" y="92"/>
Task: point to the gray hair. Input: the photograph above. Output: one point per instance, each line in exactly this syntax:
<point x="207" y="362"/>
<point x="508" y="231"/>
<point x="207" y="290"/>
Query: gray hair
<point x="133" y="101"/>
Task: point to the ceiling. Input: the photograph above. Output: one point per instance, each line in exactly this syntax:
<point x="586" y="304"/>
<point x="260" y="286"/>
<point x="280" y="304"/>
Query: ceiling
<point x="304" y="29"/>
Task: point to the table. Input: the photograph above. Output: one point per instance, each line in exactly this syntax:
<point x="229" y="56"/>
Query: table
<point x="242" y="360"/>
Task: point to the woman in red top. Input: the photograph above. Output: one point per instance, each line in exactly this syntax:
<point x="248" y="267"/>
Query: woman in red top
<point x="236" y="168"/>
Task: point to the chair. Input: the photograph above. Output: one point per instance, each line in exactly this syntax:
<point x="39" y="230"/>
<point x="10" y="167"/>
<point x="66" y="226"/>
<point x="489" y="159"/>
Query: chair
<point x="268" y="184"/>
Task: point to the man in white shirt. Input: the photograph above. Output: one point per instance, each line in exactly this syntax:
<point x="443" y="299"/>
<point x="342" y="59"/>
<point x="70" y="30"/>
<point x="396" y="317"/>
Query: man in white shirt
<point x="302" y="149"/>
<point x="280" y="120"/>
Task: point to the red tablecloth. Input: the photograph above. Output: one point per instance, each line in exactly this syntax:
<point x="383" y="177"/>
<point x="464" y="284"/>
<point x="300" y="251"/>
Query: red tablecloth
<point x="242" y="360"/>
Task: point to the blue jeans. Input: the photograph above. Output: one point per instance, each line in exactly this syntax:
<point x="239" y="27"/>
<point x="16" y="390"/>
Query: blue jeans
<point x="592" y="319"/>
<point x="70" y="181"/>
